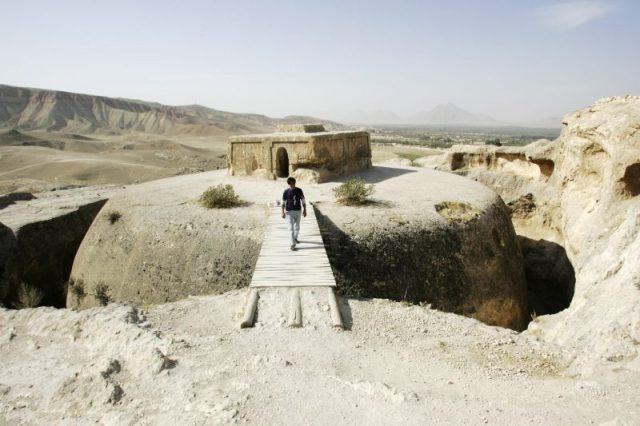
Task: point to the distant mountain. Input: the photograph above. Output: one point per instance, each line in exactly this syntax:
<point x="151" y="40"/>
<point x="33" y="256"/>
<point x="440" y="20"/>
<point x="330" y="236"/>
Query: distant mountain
<point x="368" y="117"/>
<point x="452" y="115"/>
<point x="51" y="110"/>
<point x="442" y="115"/>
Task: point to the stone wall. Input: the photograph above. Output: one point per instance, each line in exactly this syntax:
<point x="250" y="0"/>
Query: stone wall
<point x="247" y="158"/>
<point x="314" y="157"/>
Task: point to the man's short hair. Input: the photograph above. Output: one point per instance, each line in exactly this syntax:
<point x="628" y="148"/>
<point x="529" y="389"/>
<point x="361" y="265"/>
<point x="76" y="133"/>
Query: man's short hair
<point x="291" y="180"/>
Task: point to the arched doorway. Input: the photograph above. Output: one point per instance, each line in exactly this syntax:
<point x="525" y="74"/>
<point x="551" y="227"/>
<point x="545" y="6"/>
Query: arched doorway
<point x="282" y="163"/>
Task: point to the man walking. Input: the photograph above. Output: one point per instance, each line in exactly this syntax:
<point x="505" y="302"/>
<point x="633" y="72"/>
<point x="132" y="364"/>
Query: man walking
<point x="292" y="202"/>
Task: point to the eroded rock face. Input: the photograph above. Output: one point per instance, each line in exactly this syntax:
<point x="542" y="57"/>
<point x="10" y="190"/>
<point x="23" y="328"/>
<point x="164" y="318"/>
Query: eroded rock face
<point x="591" y="195"/>
<point x="529" y="162"/>
<point x="428" y="245"/>
<point x="163" y="246"/>
<point x="589" y="204"/>
<point x="39" y="237"/>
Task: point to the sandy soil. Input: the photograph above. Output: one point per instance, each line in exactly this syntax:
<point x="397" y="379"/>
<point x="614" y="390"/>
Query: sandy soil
<point x="390" y="154"/>
<point x="57" y="160"/>
<point x="189" y="363"/>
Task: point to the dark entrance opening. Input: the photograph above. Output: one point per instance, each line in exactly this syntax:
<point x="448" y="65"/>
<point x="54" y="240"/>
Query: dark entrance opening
<point x="282" y="163"/>
<point x="550" y="276"/>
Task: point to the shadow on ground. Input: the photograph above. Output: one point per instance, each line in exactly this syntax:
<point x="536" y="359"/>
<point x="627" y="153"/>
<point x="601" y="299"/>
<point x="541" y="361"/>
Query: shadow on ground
<point x="377" y="174"/>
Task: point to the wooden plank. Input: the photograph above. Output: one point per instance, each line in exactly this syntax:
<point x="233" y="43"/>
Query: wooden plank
<point x="295" y="278"/>
<point x="284" y="274"/>
<point x="290" y="276"/>
<point x="285" y="277"/>
<point x="301" y="278"/>
<point x="279" y="283"/>
<point x="295" y="309"/>
<point x="300" y="268"/>
<point x="279" y="266"/>
<point x="336" y="318"/>
<point x="297" y="267"/>
<point x="308" y="271"/>
<point x="250" y="309"/>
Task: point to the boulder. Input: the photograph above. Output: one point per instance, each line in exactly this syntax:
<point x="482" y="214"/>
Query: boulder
<point x="430" y="237"/>
<point x="154" y="243"/>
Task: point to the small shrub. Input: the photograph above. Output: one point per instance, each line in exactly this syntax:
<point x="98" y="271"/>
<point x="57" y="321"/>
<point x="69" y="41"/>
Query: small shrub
<point x="114" y="216"/>
<point x="411" y="156"/>
<point x="77" y="289"/>
<point x="353" y="192"/>
<point x="102" y="294"/>
<point x="28" y="296"/>
<point x="219" y="197"/>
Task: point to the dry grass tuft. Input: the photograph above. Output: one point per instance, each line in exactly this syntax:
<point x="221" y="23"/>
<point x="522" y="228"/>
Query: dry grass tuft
<point x="113" y="216"/>
<point x="77" y="288"/>
<point x="103" y="294"/>
<point x="27" y="296"/>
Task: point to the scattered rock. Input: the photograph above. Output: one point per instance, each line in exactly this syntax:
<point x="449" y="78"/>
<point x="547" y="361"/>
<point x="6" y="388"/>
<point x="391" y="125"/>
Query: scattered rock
<point x="163" y="362"/>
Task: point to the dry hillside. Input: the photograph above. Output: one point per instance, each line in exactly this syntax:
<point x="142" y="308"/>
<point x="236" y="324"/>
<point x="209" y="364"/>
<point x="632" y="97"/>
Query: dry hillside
<point x="51" y="110"/>
<point x="52" y="139"/>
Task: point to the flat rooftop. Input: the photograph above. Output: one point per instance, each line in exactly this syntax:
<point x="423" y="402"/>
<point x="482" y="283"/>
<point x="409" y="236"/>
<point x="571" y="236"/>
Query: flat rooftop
<point x="296" y="133"/>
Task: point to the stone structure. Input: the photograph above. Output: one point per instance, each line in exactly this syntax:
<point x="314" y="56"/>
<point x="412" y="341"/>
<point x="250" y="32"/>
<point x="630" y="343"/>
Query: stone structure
<point x="305" y="151"/>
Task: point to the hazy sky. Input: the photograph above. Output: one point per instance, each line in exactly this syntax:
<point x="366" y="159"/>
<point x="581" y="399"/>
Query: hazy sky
<point x="514" y="60"/>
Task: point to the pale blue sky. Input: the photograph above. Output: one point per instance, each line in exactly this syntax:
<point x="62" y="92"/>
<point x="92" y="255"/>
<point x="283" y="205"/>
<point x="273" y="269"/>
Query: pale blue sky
<point x="513" y="60"/>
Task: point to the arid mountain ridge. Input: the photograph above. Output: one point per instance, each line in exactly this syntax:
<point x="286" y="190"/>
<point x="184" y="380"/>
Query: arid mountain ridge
<point x="30" y="109"/>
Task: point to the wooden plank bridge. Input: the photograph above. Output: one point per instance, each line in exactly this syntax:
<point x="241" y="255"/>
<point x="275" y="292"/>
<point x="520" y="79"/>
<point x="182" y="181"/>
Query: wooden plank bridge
<point x="279" y="266"/>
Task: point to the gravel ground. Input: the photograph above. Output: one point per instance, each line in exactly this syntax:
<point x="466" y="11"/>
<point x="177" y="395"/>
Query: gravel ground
<point x="188" y="362"/>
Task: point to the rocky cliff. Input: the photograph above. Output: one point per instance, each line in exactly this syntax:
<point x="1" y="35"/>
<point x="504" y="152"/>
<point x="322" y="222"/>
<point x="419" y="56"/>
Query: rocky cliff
<point x="581" y="192"/>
